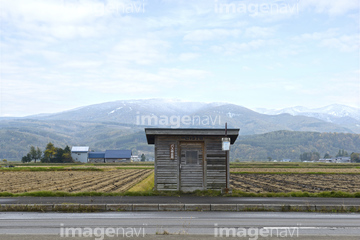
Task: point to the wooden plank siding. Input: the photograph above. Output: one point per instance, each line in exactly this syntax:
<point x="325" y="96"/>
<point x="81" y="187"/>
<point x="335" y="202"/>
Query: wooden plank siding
<point x="216" y="164"/>
<point x="167" y="174"/>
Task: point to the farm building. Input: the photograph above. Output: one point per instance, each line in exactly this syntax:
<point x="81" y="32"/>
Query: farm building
<point x="118" y="156"/>
<point x="96" y="157"/>
<point x="343" y="160"/>
<point x="80" y="153"/>
<point x="190" y="159"/>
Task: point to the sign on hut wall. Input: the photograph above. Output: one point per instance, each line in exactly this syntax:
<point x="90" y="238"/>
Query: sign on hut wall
<point x="172" y="151"/>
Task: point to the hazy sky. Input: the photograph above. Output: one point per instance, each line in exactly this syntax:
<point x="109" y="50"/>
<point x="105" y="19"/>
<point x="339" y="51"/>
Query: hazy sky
<point x="62" y="54"/>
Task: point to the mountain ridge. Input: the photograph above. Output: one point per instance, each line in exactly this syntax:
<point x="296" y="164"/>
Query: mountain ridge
<point x="152" y="111"/>
<point x="109" y="125"/>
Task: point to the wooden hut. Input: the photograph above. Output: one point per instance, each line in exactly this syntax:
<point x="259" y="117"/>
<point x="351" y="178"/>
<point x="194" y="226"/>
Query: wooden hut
<point x="190" y="159"/>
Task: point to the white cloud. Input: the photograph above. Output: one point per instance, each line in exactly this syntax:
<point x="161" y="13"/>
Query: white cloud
<point x="332" y="39"/>
<point x="332" y="7"/>
<point x="259" y="32"/>
<point x="140" y="51"/>
<point x="344" y="43"/>
<point x="184" y="75"/>
<point x="210" y="34"/>
<point x="81" y="64"/>
<point x="235" y="47"/>
<point x="64" y="19"/>
<point x="188" y="56"/>
<point x="317" y="35"/>
<point x="46" y="11"/>
<point x="67" y="11"/>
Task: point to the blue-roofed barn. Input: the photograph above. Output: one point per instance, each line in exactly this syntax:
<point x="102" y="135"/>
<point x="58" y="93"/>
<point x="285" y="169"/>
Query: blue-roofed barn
<point x="96" y="157"/>
<point x="118" y="155"/>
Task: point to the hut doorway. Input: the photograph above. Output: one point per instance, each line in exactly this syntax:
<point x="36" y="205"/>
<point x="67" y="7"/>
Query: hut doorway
<point x="191" y="166"/>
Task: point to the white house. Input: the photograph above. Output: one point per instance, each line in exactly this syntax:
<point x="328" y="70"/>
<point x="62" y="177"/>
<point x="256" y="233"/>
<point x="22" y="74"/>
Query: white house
<point x="80" y="153"/>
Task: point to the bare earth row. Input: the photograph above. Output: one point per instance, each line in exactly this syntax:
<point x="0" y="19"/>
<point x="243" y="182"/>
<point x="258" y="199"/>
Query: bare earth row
<point x="260" y="183"/>
<point x="72" y="181"/>
<point x="297" y="170"/>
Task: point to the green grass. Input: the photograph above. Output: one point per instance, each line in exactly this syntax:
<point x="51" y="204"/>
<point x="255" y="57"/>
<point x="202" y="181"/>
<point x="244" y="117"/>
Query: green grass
<point x="145" y="185"/>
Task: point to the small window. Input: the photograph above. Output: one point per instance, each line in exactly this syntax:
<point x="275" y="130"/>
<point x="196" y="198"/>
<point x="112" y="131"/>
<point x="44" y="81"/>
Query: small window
<point x="191" y="157"/>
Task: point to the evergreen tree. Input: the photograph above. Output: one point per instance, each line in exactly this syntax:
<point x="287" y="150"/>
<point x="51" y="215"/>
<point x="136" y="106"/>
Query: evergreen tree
<point x="35" y="153"/>
<point x="26" y="158"/>
<point x="355" y="157"/>
<point x="342" y="153"/>
<point x="38" y="154"/>
<point x="58" y="156"/>
<point x="66" y="157"/>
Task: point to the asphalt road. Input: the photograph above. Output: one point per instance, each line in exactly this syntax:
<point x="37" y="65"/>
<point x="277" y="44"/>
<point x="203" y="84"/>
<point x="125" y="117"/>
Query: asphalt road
<point x="180" y="225"/>
<point x="183" y="199"/>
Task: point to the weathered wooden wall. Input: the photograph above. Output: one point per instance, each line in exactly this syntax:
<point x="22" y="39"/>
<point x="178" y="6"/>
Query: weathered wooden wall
<point x="166" y="169"/>
<point x="167" y="172"/>
<point x="215" y="163"/>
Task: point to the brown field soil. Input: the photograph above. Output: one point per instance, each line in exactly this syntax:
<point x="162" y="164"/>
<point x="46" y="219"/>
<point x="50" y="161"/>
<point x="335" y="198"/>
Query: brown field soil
<point x="296" y="170"/>
<point x="72" y="181"/>
<point x="105" y="168"/>
<point x="260" y="183"/>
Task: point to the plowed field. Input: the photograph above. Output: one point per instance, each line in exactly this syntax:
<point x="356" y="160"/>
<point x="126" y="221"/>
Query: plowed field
<point x="259" y="183"/>
<point x="72" y="181"/>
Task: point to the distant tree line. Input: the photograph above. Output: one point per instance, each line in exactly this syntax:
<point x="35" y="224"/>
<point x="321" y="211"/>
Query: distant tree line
<point x="280" y="145"/>
<point x="310" y="156"/>
<point x="315" y="156"/>
<point x="342" y="153"/>
<point x="51" y="154"/>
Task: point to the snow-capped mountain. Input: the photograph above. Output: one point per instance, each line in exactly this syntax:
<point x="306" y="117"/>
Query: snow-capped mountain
<point x="336" y="113"/>
<point x="165" y="112"/>
<point x="338" y="110"/>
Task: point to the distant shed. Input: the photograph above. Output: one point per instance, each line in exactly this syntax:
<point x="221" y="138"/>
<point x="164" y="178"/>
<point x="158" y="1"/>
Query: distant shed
<point x="190" y="159"/>
<point x="80" y="153"/>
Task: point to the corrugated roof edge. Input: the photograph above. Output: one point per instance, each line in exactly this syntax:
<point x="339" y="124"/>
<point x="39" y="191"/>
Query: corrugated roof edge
<point x="151" y="132"/>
